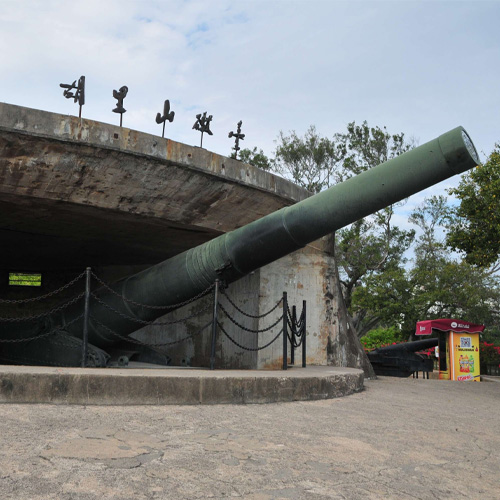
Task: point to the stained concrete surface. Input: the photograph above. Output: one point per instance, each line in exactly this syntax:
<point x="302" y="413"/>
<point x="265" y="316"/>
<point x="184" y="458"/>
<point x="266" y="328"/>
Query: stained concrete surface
<point x="399" y="439"/>
<point x="85" y="193"/>
<point x="171" y="386"/>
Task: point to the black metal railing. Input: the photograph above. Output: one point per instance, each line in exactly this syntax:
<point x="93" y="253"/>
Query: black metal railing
<point x="292" y="328"/>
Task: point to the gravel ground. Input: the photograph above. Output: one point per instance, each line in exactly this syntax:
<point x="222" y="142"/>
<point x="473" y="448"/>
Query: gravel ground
<point x="400" y="438"/>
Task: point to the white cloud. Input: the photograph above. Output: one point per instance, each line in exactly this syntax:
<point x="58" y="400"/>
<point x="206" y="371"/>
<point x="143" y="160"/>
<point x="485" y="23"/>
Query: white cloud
<point x="417" y="67"/>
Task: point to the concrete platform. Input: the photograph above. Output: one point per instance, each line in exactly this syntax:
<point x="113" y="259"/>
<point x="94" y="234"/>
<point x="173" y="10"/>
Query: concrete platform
<point x="173" y="386"/>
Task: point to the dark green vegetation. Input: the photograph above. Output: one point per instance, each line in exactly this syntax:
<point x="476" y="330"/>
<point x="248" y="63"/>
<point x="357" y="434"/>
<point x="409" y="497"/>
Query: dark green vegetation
<point x="384" y="292"/>
<point x="474" y="226"/>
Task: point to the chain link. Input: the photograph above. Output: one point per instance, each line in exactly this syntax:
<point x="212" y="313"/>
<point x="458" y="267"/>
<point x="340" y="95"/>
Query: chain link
<point x="248" y="348"/>
<point x="47" y="295"/>
<point x="138" y="304"/>
<point x="301" y="317"/>
<point x="46" y="334"/>
<point x="43" y="315"/>
<point x="298" y="332"/>
<point x="250" y="315"/>
<point x="294" y="344"/>
<point x="300" y="321"/>
<point x="249" y="329"/>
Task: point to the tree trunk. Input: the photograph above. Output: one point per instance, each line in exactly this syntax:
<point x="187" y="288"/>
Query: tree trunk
<point x="344" y="347"/>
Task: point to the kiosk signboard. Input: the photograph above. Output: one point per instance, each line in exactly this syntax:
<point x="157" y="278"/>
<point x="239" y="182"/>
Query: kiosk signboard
<point x="458" y="347"/>
<point x="464" y="356"/>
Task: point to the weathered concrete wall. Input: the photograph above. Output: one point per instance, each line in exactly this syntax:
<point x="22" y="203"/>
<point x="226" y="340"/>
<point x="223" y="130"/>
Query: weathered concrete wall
<point x="62" y="158"/>
<point x="91" y="194"/>
<point x="305" y="275"/>
<point x="196" y="350"/>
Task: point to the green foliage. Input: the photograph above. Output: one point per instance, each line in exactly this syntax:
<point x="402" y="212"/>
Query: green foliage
<point x="492" y="335"/>
<point x="380" y="337"/>
<point x="474" y="226"/>
<point x="257" y="159"/>
<point x="370" y="246"/>
<point x="363" y="147"/>
<point x="384" y="298"/>
<point x="437" y="286"/>
<point x="310" y="161"/>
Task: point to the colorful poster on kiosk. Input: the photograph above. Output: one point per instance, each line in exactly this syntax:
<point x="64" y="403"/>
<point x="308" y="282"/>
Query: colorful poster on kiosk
<point x="464" y="356"/>
<point x="458" y="347"/>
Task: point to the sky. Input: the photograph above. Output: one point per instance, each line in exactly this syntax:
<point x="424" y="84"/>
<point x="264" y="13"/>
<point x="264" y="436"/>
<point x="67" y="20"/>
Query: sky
<point x="418" y="67"/>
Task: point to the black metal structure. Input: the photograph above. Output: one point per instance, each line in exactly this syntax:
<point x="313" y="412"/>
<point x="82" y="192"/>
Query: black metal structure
<point x="78" y="95"/>
<point x="401" y="360"/>
<point x="237" y="137"/>
<point x="119" y="95"/>
<point x="167" y="116"/>
<point x="202" y="124"/>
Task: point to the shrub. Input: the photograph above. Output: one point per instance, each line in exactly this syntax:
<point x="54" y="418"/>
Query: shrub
<point x="380" y="337"/>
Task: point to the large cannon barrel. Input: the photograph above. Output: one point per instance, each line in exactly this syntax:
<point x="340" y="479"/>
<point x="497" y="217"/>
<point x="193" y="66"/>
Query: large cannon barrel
<point x="237" y="253"/>
<point x="401" y="360"/>
<point x="415" y="346"/>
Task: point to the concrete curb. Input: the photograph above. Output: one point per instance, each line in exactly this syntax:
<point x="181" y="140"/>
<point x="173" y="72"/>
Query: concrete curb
<point x="26" y="384"/>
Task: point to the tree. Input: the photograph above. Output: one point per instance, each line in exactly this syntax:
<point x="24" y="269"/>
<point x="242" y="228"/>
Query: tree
<point x="363" y="147"/>
<point x="372" y="246"/>
<point x="368" y="247"/>
<point x="311" y="161"/>
<point x="474" y="226"/>
<point x="257" y="159"/>
<point x="369" y="253"/>
<point x="438" y="285"/>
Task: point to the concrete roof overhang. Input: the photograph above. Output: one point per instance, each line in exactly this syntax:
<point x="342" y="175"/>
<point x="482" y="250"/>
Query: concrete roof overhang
<point x="76" y="193"/>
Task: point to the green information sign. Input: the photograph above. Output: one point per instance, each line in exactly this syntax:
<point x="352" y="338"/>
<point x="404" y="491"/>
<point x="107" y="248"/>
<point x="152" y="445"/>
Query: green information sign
<point x="24" y="279"/>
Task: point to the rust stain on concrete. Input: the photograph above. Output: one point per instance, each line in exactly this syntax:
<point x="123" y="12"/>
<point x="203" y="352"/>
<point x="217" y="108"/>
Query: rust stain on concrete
<point x="275" y="364"/>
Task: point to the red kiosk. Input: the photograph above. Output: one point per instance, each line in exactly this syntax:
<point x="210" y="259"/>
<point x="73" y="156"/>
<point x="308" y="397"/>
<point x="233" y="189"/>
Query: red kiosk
<point x="458" y="347"/>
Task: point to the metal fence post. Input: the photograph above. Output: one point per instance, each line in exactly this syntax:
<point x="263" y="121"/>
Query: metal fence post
<point x="285" y="330"/>
<point x="214" y="325"/>
<point x="294" y="329"/>
<point x="86" y="318"/>
<point x="304" y="324"/>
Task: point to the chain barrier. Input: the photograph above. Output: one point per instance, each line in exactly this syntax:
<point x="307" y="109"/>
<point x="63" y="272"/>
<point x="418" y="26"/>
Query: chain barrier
<point x="144" y="322"/>
<point x="293" y="329"/>
<point x="297" y="336"/>
<point x="146" y="306"/>
<point x="43" y="335"/>
<point x="251" y="315"/>
<point x="297" y="331"/>
<point x="45" y="314"/>
<point x="248" y="348"/>
<point x="293" y="343"/>
<point x="239" y="325"/>
<point x="47" y="295"/>
<point x="298" y="323"/>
